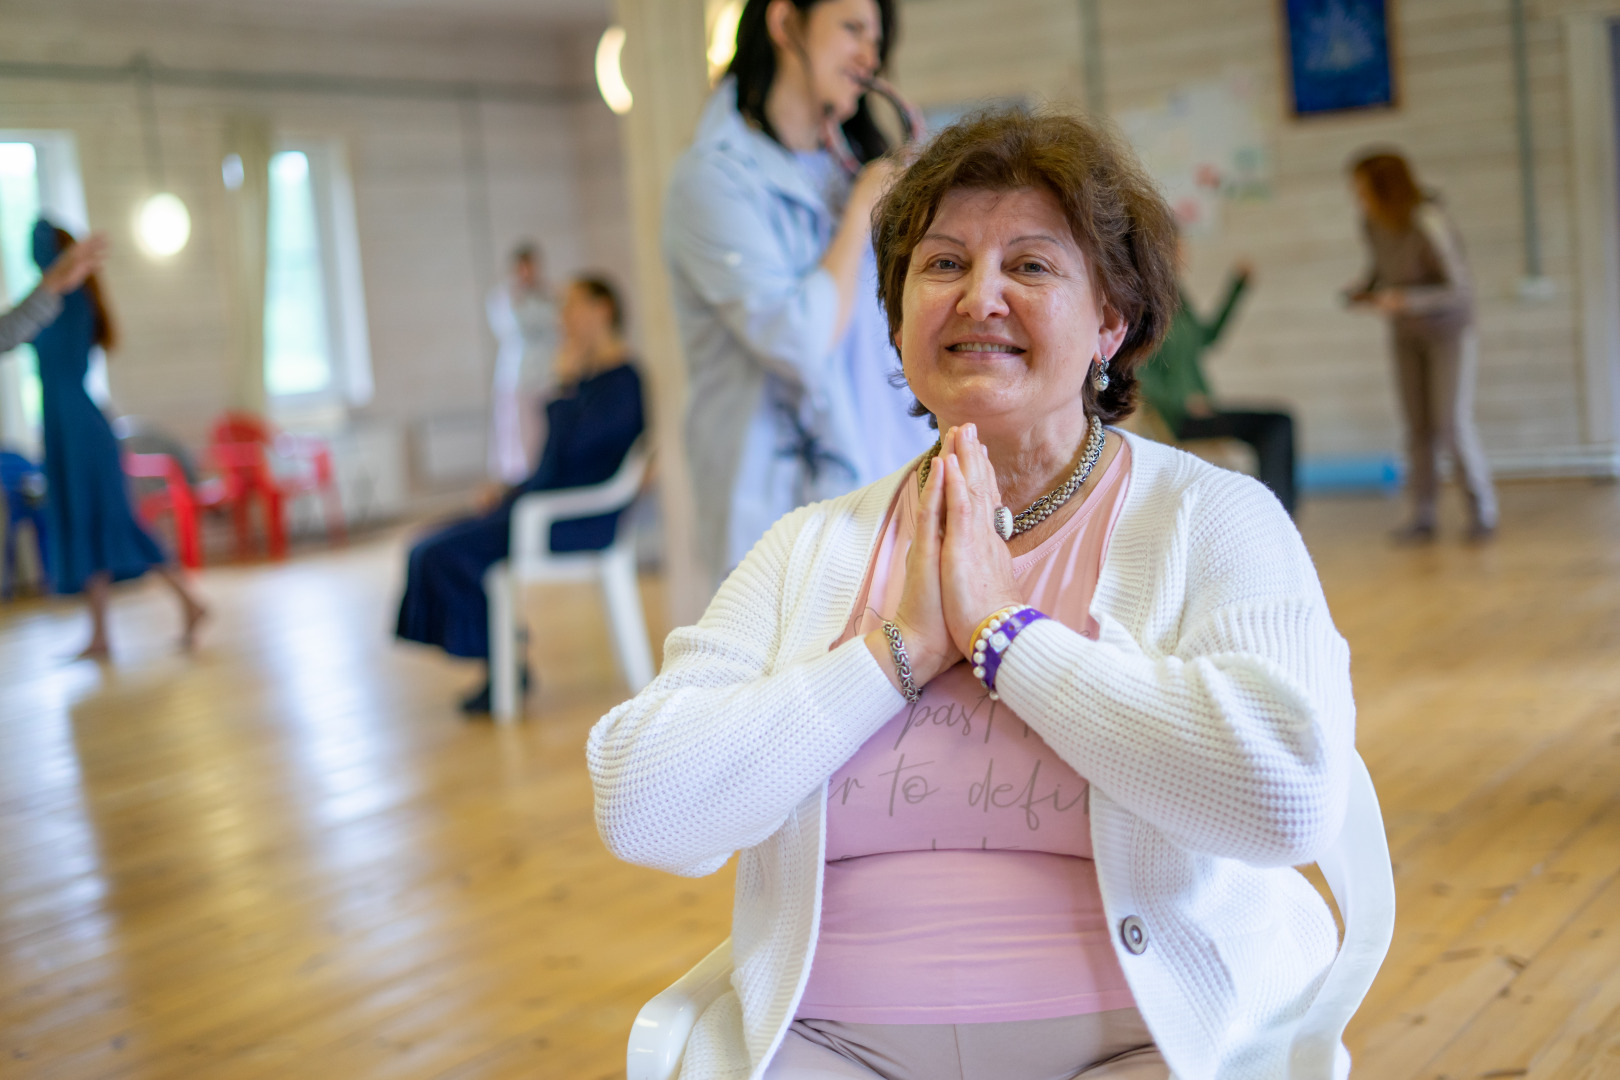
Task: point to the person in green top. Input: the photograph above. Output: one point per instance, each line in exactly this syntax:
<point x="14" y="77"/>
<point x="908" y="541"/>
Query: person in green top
<point x="1172" y="383"/>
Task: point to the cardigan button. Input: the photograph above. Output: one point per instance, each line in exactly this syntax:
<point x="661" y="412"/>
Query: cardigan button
<point x="1133" y="932"/>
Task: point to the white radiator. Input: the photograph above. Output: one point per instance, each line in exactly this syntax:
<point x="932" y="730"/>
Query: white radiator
<point x="451" y="448"/>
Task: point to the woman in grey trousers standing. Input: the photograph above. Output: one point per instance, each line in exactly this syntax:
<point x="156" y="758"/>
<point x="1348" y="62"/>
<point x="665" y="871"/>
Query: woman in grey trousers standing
<point x="1419" y="281"/>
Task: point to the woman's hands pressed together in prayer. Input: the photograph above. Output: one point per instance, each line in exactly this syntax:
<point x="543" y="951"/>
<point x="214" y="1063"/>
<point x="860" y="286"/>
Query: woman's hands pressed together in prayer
<point x="975" y="566"/>
<point x="921" y="614"/>
<point x="958" y="570"/>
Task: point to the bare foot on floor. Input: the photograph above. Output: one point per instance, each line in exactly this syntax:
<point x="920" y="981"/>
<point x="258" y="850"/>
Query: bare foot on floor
<point x="96" y="650"/>
<point x="196" y="613"/>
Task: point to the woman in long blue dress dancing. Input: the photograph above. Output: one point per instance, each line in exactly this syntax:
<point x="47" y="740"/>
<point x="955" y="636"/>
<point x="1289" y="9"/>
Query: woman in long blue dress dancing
<point x="95" y="538"/>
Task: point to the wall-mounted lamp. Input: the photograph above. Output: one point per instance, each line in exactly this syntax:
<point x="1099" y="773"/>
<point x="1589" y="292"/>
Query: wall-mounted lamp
<point x="231" y="172"/>
<point x="162" y="223"/>
<point x="609" y="77"/>
<point x="723" y="37"/>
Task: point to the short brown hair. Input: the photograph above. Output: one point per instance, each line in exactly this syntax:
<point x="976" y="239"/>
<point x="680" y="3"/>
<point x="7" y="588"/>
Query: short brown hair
<point x="1395" y="192"/>
<point x="1115" y="212"/>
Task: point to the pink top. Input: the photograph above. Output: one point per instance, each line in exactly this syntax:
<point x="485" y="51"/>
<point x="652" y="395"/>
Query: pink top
<point x="959" y="885"/>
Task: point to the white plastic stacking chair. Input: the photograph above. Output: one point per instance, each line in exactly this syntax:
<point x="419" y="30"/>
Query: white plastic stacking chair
<point x="1358" y="873"/>
<point x="532" y="561"/>
<point x="658" y="1037"/>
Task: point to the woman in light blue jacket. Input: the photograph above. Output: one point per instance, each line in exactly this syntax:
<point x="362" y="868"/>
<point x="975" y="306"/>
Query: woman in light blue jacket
<point x="767" y="237"/>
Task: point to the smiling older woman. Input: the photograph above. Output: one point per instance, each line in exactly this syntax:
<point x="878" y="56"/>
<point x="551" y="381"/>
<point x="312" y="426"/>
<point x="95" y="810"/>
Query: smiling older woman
<point x="1020" y="744"/>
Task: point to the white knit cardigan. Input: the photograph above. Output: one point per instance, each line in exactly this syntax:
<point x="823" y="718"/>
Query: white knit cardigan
<point x="1213" y="717"/>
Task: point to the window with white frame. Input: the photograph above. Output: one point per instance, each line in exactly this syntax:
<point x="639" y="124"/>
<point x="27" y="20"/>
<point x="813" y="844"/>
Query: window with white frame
<point x="317" y="355"/>
<point x="39" y="176"/>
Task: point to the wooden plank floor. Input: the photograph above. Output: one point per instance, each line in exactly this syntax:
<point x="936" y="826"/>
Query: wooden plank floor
<point x="286" y="855"/>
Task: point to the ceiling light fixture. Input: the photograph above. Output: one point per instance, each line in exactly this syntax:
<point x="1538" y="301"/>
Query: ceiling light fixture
<point x="162" y="223"/>
<point x="609" y="77"/>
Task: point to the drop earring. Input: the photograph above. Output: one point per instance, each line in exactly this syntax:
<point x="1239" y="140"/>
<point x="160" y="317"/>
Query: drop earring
<point x="1100" y="381"/>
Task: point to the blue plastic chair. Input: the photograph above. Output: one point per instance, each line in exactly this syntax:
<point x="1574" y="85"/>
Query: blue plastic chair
<point x="24" y="485"/>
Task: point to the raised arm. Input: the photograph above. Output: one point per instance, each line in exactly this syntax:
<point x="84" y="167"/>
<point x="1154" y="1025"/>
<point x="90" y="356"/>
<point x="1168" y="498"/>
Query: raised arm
<point x="41" y="307"/>
<point x="739" y="726"/>
<point x="1235" y="288"/>
<point x="24" y="322"/>
<point x="1236" y="741"/>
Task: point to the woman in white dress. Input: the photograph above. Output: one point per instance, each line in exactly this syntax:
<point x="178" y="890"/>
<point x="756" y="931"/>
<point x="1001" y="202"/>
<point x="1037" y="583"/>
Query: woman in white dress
<point x="524" y="320"/>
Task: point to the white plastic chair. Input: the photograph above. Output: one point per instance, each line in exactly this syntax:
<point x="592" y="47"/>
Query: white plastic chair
<point x="658" y="1037"/>
<point x="532" y="561"/>
<point x="1358" y="873"/>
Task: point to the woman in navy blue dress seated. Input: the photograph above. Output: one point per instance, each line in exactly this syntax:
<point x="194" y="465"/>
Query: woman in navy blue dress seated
<point x="95" y="539"/>
<point x="590" y="427"/>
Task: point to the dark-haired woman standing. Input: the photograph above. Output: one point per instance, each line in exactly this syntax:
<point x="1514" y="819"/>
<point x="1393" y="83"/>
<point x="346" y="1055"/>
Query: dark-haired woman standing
<point x="1419" y="281"/>
<point x="766" y="237"/>
<point x="94" y="535"/>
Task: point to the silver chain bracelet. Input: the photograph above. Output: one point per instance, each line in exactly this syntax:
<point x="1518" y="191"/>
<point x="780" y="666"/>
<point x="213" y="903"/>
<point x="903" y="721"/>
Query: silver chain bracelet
<point x="902" y="663"/>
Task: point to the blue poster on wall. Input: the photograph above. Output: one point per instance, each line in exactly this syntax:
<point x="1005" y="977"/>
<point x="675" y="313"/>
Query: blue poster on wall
<point x="1339" y="54"/>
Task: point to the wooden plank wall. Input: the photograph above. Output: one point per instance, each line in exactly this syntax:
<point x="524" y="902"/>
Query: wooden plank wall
<point x="1294" y="342"/>
<point x="553" y="176"/>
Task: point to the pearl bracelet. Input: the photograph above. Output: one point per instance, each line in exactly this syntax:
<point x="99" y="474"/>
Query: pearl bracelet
<point x="999" y="613"/>
<point x="995" y="634"/>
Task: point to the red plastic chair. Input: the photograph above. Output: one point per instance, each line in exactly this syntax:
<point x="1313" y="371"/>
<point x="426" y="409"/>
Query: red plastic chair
<point x="241" y="447"/>
<point x="176" y="497"/>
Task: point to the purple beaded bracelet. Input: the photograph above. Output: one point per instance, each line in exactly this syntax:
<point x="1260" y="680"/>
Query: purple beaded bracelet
<point x="993" y="641"/>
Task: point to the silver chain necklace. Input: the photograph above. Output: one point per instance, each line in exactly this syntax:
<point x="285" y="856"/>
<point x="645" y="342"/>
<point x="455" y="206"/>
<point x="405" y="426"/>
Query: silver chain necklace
<point x="1009" y="524"/>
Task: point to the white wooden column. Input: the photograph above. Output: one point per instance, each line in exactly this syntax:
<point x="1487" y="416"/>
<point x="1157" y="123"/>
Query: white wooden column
<point x="664" y="65"/>
<point x="247" y="135"/>
<point x="1597" y="228"/>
